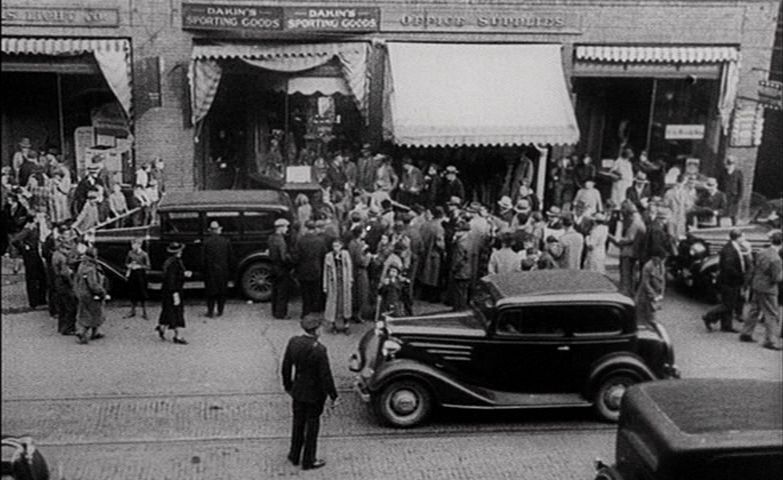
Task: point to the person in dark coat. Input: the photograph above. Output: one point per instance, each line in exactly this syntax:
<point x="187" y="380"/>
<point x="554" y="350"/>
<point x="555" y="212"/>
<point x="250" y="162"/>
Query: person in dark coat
<point x="281" y="261"/>
<point x="64" y="287"/>
<point x="730" y="182"/>
<point x="310" y="250"/>
<point x="172" y="312"/>
<point x="733" y="268"/>
<point x="138" y="263"/>
<point x="460" y="270"/>
<point x="307" y="377"/>
<point x="47" y="250"/>
<point x="91" y="294"/>
<point x="26" y="242"/>
<point x="217" y="268"/>
<point x="451" y="186"/>
<point x="639" y="193"/>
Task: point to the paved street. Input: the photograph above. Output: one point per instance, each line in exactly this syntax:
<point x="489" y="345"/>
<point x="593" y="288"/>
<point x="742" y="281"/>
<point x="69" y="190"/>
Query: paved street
<point x="131" y="406"/>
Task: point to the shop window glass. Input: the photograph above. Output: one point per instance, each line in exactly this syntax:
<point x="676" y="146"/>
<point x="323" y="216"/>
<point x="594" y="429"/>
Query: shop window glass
<point x="228" y="220"/>
<point x="183" y="223"/>
<point x="259" y="222"/>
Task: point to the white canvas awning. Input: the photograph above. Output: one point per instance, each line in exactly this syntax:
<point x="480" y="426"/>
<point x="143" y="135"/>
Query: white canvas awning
<point x="476" y="94"/>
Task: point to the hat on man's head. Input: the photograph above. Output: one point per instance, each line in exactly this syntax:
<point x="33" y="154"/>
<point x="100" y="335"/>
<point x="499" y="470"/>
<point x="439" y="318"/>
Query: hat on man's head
<point x="692" y="161"/>
<point x="175" y="247"/>
<point x="554" y="211"/>
<point x="474" y="207"/>
<point x="451" y="169"/>
<point x="214" y="226"/>
<point x="456" y="201"/>
<point x="505" y="202"/>
<point x="712" y="182"/>
<point x="311" y="321"/>
<point x="640" y="177"/>
<point x="282" y="222"/>
<point x="520" y="206"/>
<point x="366" y="146"/>
<point x="93" y="194"/>
<point x="379" y="157"/>
<point x="25" y="143"/>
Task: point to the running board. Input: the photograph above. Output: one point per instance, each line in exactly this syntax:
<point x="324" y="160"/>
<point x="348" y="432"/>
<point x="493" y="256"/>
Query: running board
<point x="514" y="401"/>
<point x="194" y="285"/>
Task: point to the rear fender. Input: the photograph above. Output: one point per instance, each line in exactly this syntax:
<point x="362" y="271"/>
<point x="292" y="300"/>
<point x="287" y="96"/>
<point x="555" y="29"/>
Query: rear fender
<point x="619" y="363"/>
<point x="445" y="389"/>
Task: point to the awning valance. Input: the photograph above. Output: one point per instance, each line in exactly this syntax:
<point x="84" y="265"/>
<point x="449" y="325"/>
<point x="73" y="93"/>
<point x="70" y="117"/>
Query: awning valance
<point x="111" y="54"/>
<point x="656" y="54"/>
<point x="456" y="94"/>
<point x="205" y="69"/>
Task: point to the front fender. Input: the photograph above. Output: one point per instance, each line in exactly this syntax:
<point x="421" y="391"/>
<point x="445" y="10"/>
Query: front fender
<point x="620" y="363"/>
<point x="444" y="388"/>
<point x="262" y="256"/>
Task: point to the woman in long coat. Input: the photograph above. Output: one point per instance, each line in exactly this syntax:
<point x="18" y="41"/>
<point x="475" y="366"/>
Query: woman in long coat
<point x="61" y="186"/>
<point x="433" y="239"/>
<point x="651" y="287"/>
<point x="91" y="295"/>
<point x="595" y="242"/>
<point x="172" y="313"/>
<point x="360" y="258"/>
<point x="337" y="285"/>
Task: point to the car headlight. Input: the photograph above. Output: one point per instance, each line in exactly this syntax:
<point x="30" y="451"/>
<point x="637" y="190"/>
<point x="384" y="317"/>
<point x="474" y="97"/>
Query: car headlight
<point x="390" y="347"/>
<point x="697" y="249"/>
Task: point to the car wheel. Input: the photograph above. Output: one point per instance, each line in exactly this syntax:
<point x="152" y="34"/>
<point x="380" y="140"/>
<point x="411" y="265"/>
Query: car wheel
<point x="610" y="393"/>
<point x="257" y="282"/>
<point x="404" y="403"/>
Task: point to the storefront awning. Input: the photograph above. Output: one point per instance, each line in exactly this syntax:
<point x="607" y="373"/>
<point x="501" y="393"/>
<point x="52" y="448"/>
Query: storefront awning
<point x="659" y="54"/>
<point x="111" y="54"/>
<point x="456" y="94"/>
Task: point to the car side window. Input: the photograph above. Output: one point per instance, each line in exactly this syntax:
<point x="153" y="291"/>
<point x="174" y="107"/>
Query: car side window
<point x="182" y="223"/>
<point x="229" y="221"/>
<point x="596" y="320"/>
<point x="530" y="321"/>
<point x="258" y="222"/>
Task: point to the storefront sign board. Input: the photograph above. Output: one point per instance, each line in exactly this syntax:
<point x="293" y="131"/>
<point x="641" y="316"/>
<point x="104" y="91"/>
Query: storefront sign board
<point x="747" y="126"/>
<point x="60" y="17"/>
<point x="332" y="19"/>
<point x="207" y="16"/>
<point x="684" y="132"/>
<point x="771" y="94"/>
<point x="479" y="20"/>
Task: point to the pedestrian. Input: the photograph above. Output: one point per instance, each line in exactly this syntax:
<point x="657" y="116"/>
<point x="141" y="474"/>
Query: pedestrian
<point x="137" y="263"/>
<point x="432" y="185"/>
<point x="304" y="211"/>
<point x="433" y="238"/>
<point x="552" y="256"/>
<point x="391" y="293"/>
<point x="451" y="187"/>
<point x="91" y="294"/>
<point x="61" y="188"/>
<point x="89" y="217"/>
<point x="639" y="193"/>
<point x="630" y="246"/>
<point x="338" y="287"/>
<point x="709" y="206"/>
<point x="386" y="180"/>
<point x="67" y="302"/>
<point x="731" y="183"/>
<point x="307" y="378"/>
<point x="590" y="197"/>
<point x="767" y="275"/>
<point x="595" y="244"/>
<point x="281" y="261"/>
<point x="366" y="167"/>
<point x="360" y="259"/>
<point x="217" y="255"/>
<point x="26" y="243"/>
<point x="584" y="172"/>
<point x="118" y="205"/>
<point x="563" y="180"/>
<point x="652" y="286"/>
<point x="309" y="251"/>
<point x="573" y="244"/>
<point x="504" y="259"/>
<point x="622" y="174"/>
<point x="20" y="156"/>
<point x="460" y="268"/>
<point x="412" y="182"/>
<point x="733" y="267"/>
<point x="680" y="198"/>
<point x="172" y="312"/>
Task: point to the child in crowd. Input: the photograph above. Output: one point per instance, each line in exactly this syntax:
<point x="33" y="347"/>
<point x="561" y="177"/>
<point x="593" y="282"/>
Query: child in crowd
<point x="137" y="262"/>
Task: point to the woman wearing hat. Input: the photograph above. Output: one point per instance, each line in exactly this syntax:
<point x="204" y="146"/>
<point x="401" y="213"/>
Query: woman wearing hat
<point x="595" y="243"/>
<point x="172" y="313"/>
<point x="91" y="295"/>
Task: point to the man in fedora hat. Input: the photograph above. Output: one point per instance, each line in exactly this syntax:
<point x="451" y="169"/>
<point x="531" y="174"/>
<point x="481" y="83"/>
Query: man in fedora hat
<point x="217" y="268"/>
<point x="710" y="204"/>
<point x="172" y="313"/>
<point x="730" y="182"/>
<point x="307" y="377"/>
<point x="451" y="186"/>
<point x="639" y="193"/>
<point x="282" y="261"/>
<point x="506" y="209"/>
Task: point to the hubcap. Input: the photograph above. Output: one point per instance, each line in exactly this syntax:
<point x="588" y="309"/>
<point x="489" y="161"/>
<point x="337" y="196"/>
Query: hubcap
<point x="614" y="395"/>
<point x="259" y="281"/>
<point x="404" y="402"/>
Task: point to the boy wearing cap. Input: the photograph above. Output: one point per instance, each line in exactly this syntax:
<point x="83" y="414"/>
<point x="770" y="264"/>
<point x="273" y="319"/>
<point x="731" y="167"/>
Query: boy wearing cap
<point x="307" y="377"/>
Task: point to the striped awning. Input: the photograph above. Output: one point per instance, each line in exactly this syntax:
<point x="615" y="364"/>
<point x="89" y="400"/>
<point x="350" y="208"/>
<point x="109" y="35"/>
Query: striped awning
<point x="113" y="56"/>
<point x="226" y="50"/>
<point x="656" y="54"/>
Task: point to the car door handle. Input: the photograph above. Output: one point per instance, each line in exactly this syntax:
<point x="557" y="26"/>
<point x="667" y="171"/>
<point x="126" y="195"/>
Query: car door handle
<point x="563" y="348"/>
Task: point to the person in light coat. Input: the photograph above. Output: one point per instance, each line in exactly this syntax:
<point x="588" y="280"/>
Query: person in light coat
<point x="337" y="286"/>
<point x="595" y="243"/>
<point x="504" y="259"/>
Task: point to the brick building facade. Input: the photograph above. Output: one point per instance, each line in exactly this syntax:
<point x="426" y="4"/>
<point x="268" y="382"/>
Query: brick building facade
<point x="156" y="36"/>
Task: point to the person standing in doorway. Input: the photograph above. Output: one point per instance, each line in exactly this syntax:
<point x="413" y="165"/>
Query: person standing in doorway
<point x="172" y="313"/>
<point x="281" y="260"/>
<point x="217" y="268"/>
<point x="307" y="377"/>
<point x="138" y="263"/>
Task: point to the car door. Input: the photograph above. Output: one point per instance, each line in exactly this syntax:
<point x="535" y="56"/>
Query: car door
<point x="257" y="226"/>
<point x="527" y="350"/>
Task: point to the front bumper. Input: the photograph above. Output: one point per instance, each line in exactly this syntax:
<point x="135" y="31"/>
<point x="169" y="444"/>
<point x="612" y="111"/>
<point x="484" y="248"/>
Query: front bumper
<point x="671" y="371"/>
<point x="360" y="387"/>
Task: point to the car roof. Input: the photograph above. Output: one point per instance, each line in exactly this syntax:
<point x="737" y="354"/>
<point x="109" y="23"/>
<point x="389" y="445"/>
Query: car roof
<point x="239" y="199"/>
<point x="550" y="282"/>
<point x="704" y="413"/>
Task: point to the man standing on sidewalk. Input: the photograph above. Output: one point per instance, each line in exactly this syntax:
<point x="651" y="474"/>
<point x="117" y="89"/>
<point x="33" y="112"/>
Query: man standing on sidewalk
<point x="310" y="251"/>
<point x="630" y="247"/>
<point x="281" y="266"/>
<point x="309" y="386"/>
<point x="767" y="274"/>
<point x="732" y="264"/>
<point x="217" y="265"/>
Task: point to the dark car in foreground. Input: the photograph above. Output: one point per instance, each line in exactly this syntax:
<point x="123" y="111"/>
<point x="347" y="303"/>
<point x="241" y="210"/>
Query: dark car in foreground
<point x="21" y="460"/>
<point x="696" y="263"/>
<point x="551" y="338"/>
<point x="712" y="429"/>
<point x="246" y="216"/>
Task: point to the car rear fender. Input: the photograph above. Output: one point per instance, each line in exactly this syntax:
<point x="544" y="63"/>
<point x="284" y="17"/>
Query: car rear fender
<point x="260" y="256"/>
<point x="444" y="388"/>
<point x="617" y="363"/>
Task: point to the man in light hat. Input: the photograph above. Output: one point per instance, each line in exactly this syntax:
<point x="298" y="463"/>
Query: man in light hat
<point x="452" y="186"/>
<point x="307" y="377"/>
<point x="767" y="275"/>
<point x="89" y="216"/>
<point x="731" y="183"/>
<point x="217" y="255"/>
<point x="710" y="205"/>
<point x="639" y="193"/>
<point x="282" y="261"/>
<point x="506" y="209"/>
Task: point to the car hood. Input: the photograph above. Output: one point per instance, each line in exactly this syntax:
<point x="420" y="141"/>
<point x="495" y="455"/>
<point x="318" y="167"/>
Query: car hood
<point x="464" y="324"/>
<point x="755" y="233"/>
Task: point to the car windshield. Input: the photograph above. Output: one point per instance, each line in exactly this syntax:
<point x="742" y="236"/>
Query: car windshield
<point x="483" y="302"/>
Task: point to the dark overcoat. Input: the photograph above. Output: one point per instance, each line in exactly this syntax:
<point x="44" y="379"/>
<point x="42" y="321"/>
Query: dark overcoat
<point x="90" y="293"/>
<point x="217" y="265"/>
<point x="307" y="376"/>
<point x="172" y="316"/>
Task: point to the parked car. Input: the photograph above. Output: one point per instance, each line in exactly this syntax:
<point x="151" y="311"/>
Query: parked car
<point x="22" y="460"/>
<point x="696" y="263"/>
<point x="551" y="338"/>
<point x="699" y="428"/>
<point x="247" y="218"/>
